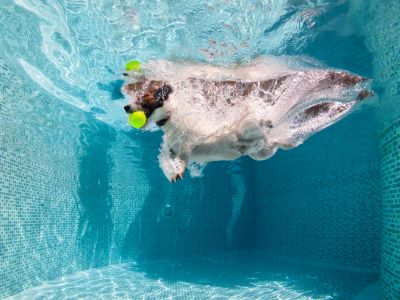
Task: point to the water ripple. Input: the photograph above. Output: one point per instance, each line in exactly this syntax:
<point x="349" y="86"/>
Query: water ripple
<point x="227" y="277"/>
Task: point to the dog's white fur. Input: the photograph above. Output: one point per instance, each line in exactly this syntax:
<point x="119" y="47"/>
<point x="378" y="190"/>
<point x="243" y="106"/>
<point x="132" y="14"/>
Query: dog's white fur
<point x="210" y="120"/>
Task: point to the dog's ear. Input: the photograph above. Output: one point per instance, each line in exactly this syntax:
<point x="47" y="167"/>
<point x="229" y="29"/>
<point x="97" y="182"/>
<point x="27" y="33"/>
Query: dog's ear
<point x="162" y="93"/>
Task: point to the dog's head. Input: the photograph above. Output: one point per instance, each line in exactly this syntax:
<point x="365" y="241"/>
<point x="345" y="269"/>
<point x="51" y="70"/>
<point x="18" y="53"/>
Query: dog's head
<point x="148" y="97"/>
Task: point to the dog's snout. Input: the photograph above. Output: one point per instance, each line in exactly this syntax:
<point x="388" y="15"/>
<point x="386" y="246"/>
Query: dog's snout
<point x="128" y="109"/>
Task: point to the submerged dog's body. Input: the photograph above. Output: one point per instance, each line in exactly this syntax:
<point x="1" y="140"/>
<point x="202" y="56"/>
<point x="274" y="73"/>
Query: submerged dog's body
<point x="208" y="120"/>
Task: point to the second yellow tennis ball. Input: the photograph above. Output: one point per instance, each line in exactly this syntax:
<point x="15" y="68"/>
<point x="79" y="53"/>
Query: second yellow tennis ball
<point x="133" y="65"/>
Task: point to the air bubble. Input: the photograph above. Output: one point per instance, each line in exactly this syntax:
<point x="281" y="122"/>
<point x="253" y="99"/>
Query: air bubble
<point x="168" y="211"/>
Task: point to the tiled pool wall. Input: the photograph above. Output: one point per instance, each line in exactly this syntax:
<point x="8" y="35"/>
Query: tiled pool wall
<point x="390" y="171"/>
<point x="321" y="201"/>
<point x="76" y="194"/>
<point x="38" y="183"/>
<point x="380" y="23"/>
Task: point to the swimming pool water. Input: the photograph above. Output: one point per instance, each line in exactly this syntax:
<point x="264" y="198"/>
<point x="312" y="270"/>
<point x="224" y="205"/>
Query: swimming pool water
<point x="85" y="211"/>
<point x="228" y="277"/>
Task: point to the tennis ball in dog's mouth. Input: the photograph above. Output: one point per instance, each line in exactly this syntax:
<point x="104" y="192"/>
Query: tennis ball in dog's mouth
<point x="133" y="65"/>
<point x="137" y="119"/>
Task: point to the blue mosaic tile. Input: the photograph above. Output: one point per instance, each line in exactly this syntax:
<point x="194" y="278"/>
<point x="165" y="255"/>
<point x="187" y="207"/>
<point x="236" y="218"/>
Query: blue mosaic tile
<point x="321" y="202"/>
<point x="390" y="180"/>
<point x="380" y="25"/>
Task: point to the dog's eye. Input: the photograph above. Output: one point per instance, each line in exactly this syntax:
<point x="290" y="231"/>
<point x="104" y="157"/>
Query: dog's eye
<point x="162" y="94"/>
<point x="147" y="97"/>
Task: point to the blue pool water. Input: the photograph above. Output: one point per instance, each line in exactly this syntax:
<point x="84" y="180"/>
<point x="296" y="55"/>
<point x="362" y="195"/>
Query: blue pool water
<point x="229" y="277"/>
<point x="85" y="211"/>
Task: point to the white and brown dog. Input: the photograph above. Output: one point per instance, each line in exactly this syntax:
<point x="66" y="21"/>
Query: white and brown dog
<point x="241" y="112"/>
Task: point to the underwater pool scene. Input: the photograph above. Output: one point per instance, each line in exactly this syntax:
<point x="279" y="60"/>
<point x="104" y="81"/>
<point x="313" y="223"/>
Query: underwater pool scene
<point x="87" y="213"/>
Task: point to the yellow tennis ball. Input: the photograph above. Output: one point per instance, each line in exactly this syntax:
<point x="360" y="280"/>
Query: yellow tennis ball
<point x="137" y="119"/>
<point x="133" y="65"/>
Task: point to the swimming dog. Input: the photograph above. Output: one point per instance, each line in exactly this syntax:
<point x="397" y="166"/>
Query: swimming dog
<point x="207" y="120"/>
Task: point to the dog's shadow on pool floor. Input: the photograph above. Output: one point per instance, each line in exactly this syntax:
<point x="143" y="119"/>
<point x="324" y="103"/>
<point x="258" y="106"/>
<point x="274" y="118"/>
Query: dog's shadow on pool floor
<point x="192" y="217"/>
<point x="185" y="219"/>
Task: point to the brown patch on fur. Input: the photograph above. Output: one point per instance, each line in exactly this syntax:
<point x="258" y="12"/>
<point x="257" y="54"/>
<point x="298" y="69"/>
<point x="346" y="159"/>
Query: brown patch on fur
<point x="243" y="89"/>
<point x="272" y="83"/>
<point x="148" y="102"/>
<point x="135" y="87"/>
<point x="131" y="88"/>
<point x="317" y="109"/>
<point x="232" y="90"/>
<point x="247" y="88"/>
<point x="344" y="78"/>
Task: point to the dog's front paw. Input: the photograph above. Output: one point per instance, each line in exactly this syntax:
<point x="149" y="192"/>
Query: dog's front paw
<point x="173" y="168"/>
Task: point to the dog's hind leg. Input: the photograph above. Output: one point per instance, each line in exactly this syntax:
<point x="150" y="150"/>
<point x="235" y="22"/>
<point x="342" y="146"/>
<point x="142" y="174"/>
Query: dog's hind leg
<point x="263" y="154"/>
<point x="249" y="130"/>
